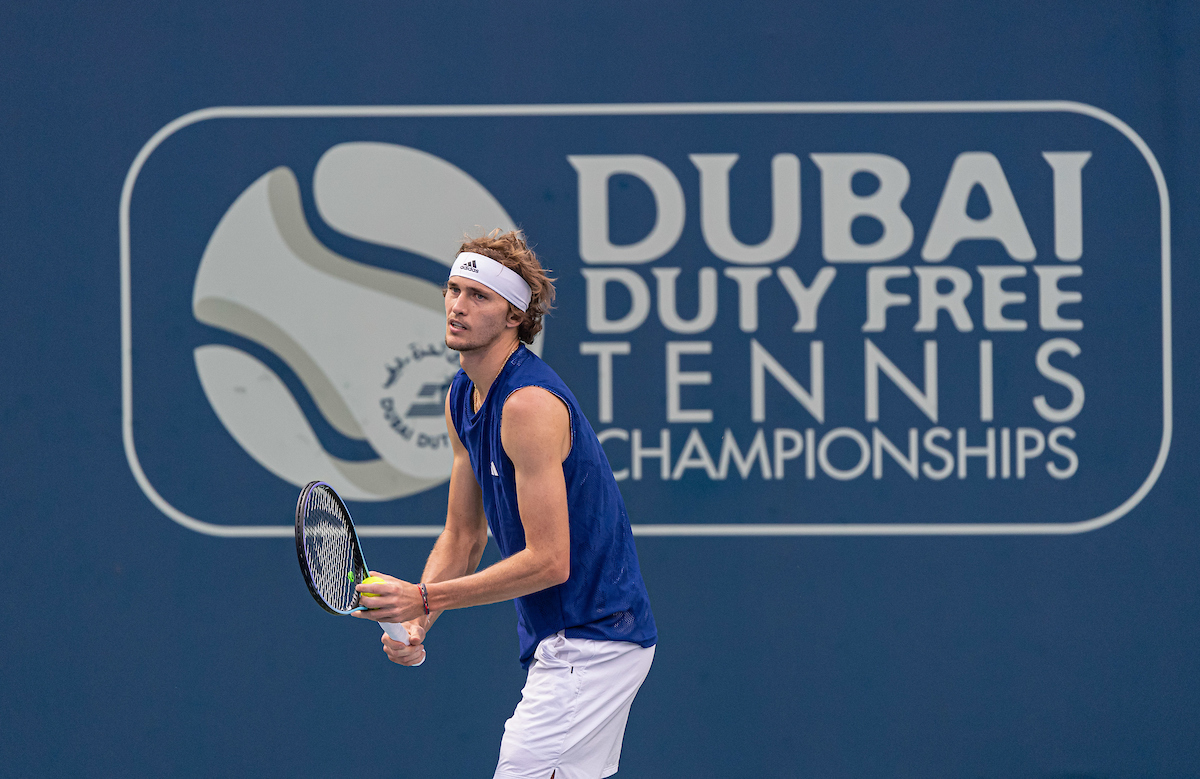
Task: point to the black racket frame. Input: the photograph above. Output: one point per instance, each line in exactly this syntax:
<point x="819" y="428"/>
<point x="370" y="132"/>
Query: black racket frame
<point x="302" y="549"/>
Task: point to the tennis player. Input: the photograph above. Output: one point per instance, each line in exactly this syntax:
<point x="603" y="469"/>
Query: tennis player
<point x="528" y="465"/>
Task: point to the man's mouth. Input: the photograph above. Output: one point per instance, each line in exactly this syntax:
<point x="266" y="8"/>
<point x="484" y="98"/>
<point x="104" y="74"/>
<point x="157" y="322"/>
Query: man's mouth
<point x="456" y="325"/>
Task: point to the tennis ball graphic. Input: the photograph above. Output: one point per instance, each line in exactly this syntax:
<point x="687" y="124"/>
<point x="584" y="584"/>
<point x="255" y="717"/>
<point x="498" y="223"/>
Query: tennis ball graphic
<point x="366" y="343"/>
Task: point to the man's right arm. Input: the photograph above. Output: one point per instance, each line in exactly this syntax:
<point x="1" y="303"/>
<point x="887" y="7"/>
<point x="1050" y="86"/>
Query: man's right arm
<point x="457" y="550"/>
<point x="460" y="545"/>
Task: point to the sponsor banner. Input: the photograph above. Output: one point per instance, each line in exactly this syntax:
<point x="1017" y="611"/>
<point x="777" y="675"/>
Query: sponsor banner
<point x="780" y="319"/>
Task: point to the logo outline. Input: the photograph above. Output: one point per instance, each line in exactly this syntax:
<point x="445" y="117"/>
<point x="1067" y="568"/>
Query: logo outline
<point x="656" y="109"/>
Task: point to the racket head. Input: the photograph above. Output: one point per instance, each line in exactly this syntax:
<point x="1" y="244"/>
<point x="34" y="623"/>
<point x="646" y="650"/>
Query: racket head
<point x="328" y="549"/>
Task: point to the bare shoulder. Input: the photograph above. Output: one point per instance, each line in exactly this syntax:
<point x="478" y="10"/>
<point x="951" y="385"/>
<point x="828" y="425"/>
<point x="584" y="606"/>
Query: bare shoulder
<point x="537" y="419"/>
<point x="534" y="403"/>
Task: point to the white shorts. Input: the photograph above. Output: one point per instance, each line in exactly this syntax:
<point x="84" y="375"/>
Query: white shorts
<point x="571" y="718"/>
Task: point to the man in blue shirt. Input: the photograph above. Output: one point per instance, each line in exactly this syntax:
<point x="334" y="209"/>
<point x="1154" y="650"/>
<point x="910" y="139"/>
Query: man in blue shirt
<point x="528" y="465"/>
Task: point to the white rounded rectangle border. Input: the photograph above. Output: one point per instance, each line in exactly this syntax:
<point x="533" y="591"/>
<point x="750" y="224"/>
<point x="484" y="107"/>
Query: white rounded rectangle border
<point x="653" y="109"/>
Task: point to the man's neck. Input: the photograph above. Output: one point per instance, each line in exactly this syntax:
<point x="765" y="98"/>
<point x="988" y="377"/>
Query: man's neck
<point x="482" y="366"/>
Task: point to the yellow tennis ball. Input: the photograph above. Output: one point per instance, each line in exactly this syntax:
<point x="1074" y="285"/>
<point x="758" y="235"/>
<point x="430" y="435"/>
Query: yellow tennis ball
<point x="372" y="580"/>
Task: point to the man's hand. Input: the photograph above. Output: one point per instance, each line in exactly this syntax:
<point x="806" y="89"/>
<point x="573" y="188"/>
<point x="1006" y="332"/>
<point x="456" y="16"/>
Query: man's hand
<point x="412" y="654"/>
<point x="395" y="600"/>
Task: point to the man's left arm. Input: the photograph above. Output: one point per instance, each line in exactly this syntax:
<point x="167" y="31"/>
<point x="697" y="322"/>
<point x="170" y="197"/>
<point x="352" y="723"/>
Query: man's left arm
<point x="536" y="433"/>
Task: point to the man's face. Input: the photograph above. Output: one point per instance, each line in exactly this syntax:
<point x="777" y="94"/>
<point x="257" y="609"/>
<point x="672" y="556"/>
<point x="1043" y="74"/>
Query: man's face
<point x="475" y="315"/>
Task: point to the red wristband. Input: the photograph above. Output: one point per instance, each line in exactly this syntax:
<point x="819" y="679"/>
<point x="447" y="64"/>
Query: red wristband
<point x="424" y="596"/>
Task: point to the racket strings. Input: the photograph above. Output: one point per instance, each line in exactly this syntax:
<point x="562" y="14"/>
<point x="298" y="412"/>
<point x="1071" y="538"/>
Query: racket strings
<point x="330" y="549"/>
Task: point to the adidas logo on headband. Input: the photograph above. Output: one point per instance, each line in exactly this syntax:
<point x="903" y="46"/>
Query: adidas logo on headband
<point x="470" y="265"/>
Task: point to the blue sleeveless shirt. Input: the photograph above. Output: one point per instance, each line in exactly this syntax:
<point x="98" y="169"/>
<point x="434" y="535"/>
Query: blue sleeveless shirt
<point x="604" y="597"/>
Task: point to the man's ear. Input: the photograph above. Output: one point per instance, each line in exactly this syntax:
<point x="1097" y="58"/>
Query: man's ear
<point x="515" y="317"/>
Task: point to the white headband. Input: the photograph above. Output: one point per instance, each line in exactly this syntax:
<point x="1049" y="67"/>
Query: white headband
<point x="493" y="275"/>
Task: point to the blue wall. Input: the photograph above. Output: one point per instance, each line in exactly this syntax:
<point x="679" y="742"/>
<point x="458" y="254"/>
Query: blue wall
<point x="869" y="627"/>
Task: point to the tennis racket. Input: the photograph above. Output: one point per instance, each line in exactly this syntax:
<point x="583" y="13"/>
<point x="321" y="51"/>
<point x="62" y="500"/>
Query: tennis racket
<point x="330" y="556"/>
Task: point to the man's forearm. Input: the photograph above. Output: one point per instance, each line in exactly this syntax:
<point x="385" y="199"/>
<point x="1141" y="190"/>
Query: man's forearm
<point x="523" y="573"/>
<point x="454" y="555"/>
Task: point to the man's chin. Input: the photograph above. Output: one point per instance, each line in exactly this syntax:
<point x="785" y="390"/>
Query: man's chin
<point x="460" y="346"/>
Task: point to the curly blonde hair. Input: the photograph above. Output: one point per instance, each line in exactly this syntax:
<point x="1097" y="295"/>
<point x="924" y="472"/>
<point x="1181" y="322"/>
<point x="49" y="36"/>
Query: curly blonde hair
<point x="511" y="250"/>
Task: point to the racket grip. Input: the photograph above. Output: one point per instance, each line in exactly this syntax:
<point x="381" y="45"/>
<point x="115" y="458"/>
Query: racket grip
<point x="397" y="632"/>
